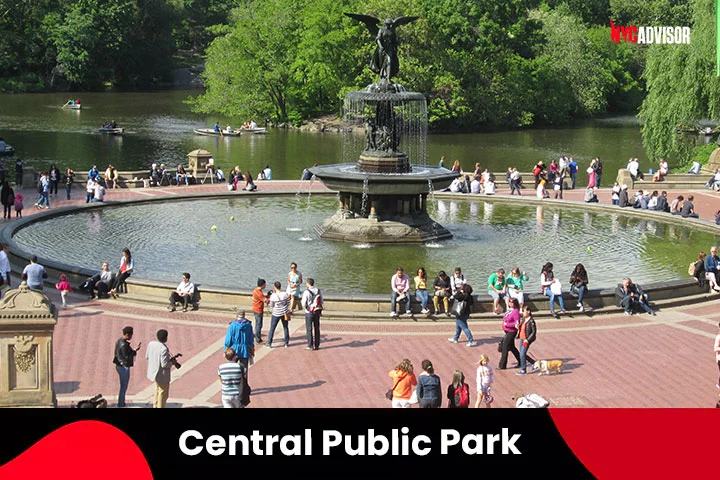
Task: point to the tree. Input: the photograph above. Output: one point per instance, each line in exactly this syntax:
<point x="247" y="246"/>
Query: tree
<point x="681" y="87"/>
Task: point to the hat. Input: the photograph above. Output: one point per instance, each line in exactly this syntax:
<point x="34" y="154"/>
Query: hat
<point x="624" y="186"/>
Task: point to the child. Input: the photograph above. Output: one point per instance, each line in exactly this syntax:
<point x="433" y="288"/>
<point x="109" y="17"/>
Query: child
<point x="18" y="205"/>
<point x="485" y="380"/>
<point x="64" y="287"/>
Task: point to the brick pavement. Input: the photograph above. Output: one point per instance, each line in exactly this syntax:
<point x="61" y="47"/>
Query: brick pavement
<point x="612" y="360"/>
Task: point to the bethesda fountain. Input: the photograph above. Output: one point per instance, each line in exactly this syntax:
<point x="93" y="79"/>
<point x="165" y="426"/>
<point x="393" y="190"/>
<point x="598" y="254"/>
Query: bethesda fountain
<point x="383" y="196"/>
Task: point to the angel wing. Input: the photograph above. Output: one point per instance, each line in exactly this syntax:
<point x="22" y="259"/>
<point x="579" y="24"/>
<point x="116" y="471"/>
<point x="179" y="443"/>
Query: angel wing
<point x="370" y="22"/>
<point x="403" y="21"/>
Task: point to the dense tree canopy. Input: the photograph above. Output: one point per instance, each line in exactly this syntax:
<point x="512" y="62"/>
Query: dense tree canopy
<point x="681" y="87"/>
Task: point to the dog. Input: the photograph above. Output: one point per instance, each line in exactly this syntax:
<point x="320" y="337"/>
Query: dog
<point x="547" y="366"/>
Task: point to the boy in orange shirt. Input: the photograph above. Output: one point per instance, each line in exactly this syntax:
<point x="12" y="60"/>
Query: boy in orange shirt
<point x="259" y="300"/>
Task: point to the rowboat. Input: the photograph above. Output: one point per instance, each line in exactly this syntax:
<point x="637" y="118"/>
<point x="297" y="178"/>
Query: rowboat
<point x="111" y="131"/>
<point x="8" y="152"/>
<point x="252" y="130"/>
<point x="209" y="132"/>
<point x="72" y="107"/>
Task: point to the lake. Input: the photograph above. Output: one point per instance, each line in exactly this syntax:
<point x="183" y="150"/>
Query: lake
<point x="159" y="129"/>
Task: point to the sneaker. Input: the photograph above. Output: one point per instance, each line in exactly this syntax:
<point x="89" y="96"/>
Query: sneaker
<point x="521" y="372"/>
<point x="424" y="311"/>
<point x="184" y="309"/>
<point x="497" y="312"/>
<point x="564" y="311"/>
<point x="172" y="309"/>
<point x="488" y="399"/>
<point x="286" y="345"/>
<point x="408" y="313"/>
<point x="628" y="313"/>
<point x="579" y="304"/>
<point x="393" y="314"/>
<point x="470" y="344"/>
<point x="581" y="308"/>
<point x="448" y="314"/>
<point x="652" y="312"/>
<point x="308" y="348"/>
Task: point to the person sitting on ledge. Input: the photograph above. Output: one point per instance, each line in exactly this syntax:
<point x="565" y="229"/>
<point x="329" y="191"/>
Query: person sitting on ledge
<point x="629" y="296"/>
<point x="185" y="293"/>
<point x="590" y="196"/>
<point x="99" y="282"/>
<point x="249" y="184"/>
<point x="688" y="209"/>
<point x="181" y="175"/>
<point x="623" y="200"/>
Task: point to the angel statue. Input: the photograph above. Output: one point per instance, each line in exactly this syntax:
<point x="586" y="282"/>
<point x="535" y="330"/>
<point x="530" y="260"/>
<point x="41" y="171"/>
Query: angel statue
<point x="384" y="61"/>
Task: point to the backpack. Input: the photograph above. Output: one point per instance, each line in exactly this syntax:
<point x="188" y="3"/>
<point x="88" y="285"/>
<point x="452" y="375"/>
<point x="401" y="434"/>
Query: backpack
<point x="691" y="269"/>
<point x="315" y="304"/>
<point x="40" y="186"/>
<point x="462" y="396"/>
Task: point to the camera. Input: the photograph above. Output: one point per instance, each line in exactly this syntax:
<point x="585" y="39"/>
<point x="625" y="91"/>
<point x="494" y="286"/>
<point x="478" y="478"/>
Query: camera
<point x="174" y="361"/>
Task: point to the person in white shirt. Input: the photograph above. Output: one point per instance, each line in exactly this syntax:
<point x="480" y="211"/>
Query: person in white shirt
<point x="253" y="125"/>
<point x="99" y="194"/>
<point x="267" y="172"/>
<point x="457" y="280"/>
<point x="5" y="265"/>
<point x="633" y="167"/>
<point x="695" y="169"/>
<point x="228" y="129"/>
<point x="457" y="186"/>
<point x="182" y="294"/>
<point x="159" y="364"/>
<point x="475" y="185"/>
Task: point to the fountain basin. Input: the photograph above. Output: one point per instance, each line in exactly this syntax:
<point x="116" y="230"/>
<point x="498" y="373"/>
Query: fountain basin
<point x="347" y="177"/>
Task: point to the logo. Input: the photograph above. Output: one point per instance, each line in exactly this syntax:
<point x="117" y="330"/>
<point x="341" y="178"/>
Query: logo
<point x="649" y="35"/>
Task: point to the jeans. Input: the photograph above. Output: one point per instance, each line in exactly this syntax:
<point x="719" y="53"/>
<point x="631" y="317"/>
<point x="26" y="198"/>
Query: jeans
<point x="44" y="199"/>
<point x="524" y="357"/>
<point x="573" y="177"/>
<point x="514" y="187"/>
<point x="552" y="296"/>
<point x="53" y="186"/>
<point x="7" y="211"/>
<point x="627" y="303"/>
<point x="615" y="201"/>
<point x="18" y="180"/>
<point x="258" y="325"/>
<point x="89" y="196"/>
<point x="273" y="325"/>
<point x="68" y="187"/>
<point x="597" y="179"/>
<point x="580" y="292"/>
<point x="312" y="329"/>
<point x="422" y="297"/>
<point x="461" y="325"/>
<point x="124" y="374"/>
<point x="393" y="301"/>
<point x="232" y="401"/>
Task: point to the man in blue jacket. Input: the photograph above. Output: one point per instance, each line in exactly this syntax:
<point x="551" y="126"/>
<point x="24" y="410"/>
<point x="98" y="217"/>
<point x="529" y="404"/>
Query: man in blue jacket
<point x="712" y="262"/>
<point x="240" y="338"/>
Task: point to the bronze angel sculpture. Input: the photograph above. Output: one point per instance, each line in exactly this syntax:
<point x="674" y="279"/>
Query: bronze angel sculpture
<point x="385" y="60"/>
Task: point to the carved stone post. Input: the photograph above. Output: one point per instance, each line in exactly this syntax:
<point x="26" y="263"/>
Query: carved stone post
<point x="27" y="320"/>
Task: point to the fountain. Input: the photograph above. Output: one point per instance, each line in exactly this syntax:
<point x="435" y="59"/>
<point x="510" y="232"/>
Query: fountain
<point x="383" y="197"/>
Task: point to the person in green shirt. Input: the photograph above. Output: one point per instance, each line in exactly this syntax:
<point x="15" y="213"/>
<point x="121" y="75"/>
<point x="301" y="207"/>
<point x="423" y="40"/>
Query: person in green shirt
<point x="514" y="284"/>
<point x="497" y="288"/>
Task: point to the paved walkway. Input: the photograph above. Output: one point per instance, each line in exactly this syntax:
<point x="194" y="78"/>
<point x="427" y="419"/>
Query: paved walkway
<point x="611" y="360"/>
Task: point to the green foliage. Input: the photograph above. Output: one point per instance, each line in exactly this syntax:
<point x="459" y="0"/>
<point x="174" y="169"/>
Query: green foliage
<point x="651" y="12"/>
<point x="681" y="88"/>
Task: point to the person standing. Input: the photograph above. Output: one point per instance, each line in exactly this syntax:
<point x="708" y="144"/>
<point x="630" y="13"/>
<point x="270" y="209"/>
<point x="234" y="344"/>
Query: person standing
<point x="312" y="302"/>
<point x="400" y="284"/>
<point x="240" y="339"/>
<point x="34" y="273"/>
<point x="125" y="270"/>
<point x="429" y="391"/>
<point x="159" y="365"/>
<point x="280" y="305"/>
<point x="484" y="381"/>
<point x="458" y="392"/>
<point x="598" y="172"/>
<point x="403" y="382"/>
<point x="233" y="376"/>
<point x="69" y="176"/>
<point x="5" y="265"/>
<point x="124" y="359"/>
<point x="54" y="179"/>
<point x="89" y="190"/>
<point x="18" y="173"/>
<point x="510" y="323"/>
<point x="259" y="300"/>
<point x="463" y="295"/>
<point x="573" y="169"/>
<point x="294" y="280"/>
<point x="7" y="198"/>
<point x="527" y="333"/>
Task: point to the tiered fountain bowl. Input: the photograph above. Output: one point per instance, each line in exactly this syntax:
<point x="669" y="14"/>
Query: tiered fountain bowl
<point x="383" y="197"/>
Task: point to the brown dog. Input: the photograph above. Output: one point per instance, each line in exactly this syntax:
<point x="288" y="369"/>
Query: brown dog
<point x="547" y="366"/>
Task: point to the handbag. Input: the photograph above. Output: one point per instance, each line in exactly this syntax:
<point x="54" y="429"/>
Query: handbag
<point x="458" y="307"/>
<point x="500" y="344"/>
<point x="389" y="393"/>
<point x="288" y="316"/>
<point x="556" y="288"/>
